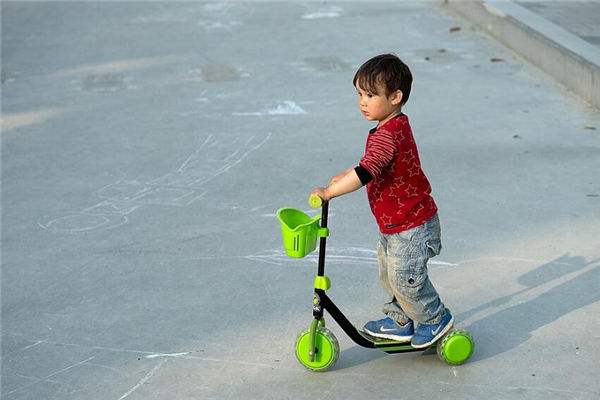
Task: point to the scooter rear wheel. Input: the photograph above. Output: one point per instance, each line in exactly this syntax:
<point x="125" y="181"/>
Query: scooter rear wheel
<point x="327" y="350"/>
<point x="456" y="347"/>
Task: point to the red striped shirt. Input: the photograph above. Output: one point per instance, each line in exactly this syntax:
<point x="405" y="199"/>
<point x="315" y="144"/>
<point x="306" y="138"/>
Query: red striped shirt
<point x="399" y="194"/>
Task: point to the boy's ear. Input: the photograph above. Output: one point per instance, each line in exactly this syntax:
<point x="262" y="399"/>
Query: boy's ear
<point x="397" y="97"/>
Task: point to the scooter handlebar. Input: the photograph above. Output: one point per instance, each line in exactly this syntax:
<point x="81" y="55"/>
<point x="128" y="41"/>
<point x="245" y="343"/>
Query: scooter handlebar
<point x="315" y="201"/>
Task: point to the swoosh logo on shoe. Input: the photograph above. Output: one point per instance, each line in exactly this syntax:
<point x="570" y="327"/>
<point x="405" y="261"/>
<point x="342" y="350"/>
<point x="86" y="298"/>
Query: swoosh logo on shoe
<point x="435" y="332"/>
<point x="382" y="329"/>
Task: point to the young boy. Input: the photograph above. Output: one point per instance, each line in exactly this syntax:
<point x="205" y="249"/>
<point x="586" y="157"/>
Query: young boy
<point x="400" y="198"/>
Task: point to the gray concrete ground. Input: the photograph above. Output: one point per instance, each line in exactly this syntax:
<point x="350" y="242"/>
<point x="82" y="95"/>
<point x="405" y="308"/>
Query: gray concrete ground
<point x="147" y="146"/>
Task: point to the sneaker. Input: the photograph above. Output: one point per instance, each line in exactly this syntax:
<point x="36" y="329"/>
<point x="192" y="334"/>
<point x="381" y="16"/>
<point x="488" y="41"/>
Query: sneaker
<point x="387" y="328"/>
<point x="426" y="335"/>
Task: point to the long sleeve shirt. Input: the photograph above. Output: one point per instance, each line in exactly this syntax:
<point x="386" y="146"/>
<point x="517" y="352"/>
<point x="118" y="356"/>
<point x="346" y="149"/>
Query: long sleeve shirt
<point x="399" y="193"/>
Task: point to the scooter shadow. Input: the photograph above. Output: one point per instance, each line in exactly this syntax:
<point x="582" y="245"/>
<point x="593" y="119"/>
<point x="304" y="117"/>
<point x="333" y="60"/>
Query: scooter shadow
<point x="356" y="355"/>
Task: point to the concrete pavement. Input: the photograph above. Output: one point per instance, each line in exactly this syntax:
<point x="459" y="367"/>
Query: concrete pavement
<point x="147" y="146"/>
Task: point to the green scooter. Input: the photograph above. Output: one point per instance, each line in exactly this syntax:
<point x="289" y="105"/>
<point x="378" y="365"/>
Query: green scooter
<point x="317" y="348"/>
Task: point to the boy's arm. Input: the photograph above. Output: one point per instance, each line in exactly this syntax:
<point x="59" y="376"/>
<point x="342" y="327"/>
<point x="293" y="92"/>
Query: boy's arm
<point x="339" y="176"/>
<point x="341" y="184"/>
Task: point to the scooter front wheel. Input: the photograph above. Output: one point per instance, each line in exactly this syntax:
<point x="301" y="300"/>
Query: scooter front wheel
<point x="327" y="350"/>
<point x="456" y="347"/>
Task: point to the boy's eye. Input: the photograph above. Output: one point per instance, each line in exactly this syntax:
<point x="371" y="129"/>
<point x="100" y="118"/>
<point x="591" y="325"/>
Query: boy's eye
<point x="368" y="94"/>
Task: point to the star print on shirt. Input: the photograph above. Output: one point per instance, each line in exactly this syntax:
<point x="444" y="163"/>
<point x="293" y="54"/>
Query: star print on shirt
<point x="411" y="191"/>
<point x="396" y="186"/>
<point x="398" y="182"/>
<point x="377" y="192"/>
<point x="414" y="170"/>
<point x="418" y="210"/>
<point x="409" y="157"/>
<point x="386" y="219"/>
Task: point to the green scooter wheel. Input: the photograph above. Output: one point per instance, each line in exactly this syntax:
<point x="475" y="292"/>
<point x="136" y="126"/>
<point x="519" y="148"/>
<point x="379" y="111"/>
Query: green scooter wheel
<point x="456" y="347"/>
<point x="327" y="350"/>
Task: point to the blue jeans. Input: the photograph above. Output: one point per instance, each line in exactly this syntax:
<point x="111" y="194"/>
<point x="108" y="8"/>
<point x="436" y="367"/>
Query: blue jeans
<point x="402" y="261"/>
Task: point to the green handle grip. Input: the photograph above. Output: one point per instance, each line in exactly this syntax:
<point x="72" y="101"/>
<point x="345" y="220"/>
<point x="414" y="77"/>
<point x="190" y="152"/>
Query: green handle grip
<point x="315" y="201"/>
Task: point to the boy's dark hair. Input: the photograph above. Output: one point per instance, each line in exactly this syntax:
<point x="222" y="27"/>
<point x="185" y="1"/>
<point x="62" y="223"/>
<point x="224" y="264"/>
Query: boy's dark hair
<point x="388" y="70"/>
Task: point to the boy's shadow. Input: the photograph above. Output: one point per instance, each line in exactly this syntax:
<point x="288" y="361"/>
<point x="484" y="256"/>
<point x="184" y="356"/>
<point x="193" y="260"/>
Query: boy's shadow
<point x="509" y="328"/>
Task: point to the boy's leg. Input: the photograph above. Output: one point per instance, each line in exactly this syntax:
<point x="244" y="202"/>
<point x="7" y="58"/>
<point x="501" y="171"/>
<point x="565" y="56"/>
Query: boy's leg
<point x="396" y="326"/>
<point x="391" y="308"/>
<point x="408" y="253"/>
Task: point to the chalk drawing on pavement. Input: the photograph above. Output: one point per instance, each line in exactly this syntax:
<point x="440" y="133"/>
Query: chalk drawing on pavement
<point x="323" y="12"/>
<point x="285" y="108"/>
<point x="178" y="188"/>
<point x="335" y="256"/>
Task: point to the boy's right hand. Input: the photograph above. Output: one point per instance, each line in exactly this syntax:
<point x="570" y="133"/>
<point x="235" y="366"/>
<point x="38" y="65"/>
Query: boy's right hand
<point x="321" y="192"/>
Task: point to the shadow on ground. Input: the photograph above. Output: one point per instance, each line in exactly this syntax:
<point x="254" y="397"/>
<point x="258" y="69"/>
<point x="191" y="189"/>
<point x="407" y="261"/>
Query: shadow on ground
<point x="508" y="328"/>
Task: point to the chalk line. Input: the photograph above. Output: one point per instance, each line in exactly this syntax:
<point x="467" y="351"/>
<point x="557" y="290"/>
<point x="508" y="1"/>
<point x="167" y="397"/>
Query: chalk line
<point x="286" y="108"/>
<point x="323" y="12"/>
<point x="158" y="355"/>
<point x="144" y="379"/>
<point x="47" y="378"/>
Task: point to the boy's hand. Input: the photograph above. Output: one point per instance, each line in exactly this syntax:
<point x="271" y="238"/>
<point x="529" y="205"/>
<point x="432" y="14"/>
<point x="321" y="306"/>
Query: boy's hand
<point x="322" y="193"/>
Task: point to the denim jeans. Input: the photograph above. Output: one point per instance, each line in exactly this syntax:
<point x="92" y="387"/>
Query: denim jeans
<point x="402" y="261"/>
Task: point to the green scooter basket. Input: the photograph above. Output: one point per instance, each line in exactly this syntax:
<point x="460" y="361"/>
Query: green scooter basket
<point x="300" y="232"/>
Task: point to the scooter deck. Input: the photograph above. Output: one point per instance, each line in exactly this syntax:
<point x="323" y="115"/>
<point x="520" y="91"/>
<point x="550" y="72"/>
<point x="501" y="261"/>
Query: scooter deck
<point x="391" y="346"/>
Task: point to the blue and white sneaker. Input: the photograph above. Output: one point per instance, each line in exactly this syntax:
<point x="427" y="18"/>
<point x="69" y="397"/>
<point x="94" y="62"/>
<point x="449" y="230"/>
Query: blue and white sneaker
<point x="426" y="335"/>
<point x="387" y="328"/>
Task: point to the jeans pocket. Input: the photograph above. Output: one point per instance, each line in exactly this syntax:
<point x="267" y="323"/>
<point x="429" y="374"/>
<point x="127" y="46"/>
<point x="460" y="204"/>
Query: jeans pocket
<point x="434" y="247"/>
<point x="410" y="282"/>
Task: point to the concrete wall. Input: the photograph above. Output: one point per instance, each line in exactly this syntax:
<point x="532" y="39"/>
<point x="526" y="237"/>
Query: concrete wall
<point x="568" y="58"/>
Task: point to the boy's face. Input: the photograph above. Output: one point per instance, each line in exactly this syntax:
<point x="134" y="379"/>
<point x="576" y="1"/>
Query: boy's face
<point x="377" y="106"/>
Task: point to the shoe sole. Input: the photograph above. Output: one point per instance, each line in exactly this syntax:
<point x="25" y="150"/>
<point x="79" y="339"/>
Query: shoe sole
<point x="437" y="337"/>
<point x="403" y="339"/>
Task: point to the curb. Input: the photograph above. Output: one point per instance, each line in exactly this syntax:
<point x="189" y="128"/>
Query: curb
<point x="566" y="57"/>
